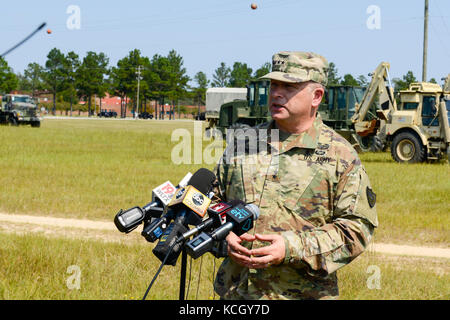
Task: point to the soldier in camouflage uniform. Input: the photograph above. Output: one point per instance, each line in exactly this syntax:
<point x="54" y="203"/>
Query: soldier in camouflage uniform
<point x="317" y="209"/>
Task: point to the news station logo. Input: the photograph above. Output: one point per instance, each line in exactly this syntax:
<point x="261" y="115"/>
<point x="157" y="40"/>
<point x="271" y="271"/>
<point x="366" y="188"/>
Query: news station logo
<point x="198" y="199"/>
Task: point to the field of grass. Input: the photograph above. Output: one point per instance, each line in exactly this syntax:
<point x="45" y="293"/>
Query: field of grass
<point x="38" y="267"/>
<point x="92" y="168"/>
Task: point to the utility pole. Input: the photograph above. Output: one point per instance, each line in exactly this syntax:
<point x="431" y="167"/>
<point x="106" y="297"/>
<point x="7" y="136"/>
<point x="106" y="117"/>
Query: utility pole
<point x="138" y="72"/>
<point x="425" y="43"/>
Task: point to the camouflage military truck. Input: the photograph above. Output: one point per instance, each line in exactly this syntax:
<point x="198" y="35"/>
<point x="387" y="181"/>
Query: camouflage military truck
<point x="417" y="129"/>
<point x="19" y="109"/>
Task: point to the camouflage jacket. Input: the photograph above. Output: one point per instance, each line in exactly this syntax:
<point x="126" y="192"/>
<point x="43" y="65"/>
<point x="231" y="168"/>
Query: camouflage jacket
<point x="312" y="189"/>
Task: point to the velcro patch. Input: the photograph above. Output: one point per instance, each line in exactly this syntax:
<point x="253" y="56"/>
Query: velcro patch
<point x="371" y="197"/>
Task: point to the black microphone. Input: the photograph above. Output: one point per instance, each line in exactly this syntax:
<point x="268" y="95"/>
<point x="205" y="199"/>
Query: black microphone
<point x="188" y="206"/>
<point x="126" y="221"/>
<point x="239" y="219"/>
<point x="216" y="219"/>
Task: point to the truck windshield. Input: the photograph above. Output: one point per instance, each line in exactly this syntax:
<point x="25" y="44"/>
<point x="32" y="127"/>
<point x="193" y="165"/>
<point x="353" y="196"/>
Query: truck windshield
<point x="251" y="95"/>
<point x="359" y="94"/>
<point x="262" y="98"/>
<point x="22" y="99"/>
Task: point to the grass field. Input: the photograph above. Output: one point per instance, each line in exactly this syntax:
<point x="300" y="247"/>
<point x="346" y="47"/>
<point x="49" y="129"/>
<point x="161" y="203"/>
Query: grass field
<point x="90" y="169"/>
<point x="38" y="267"/>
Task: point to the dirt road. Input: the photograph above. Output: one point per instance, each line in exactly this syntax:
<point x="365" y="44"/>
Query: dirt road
<point x="51" y="222"/>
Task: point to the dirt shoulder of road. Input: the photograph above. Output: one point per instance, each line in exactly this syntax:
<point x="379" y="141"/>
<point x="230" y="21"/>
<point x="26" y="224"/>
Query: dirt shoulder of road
<point x="107" y="231"/>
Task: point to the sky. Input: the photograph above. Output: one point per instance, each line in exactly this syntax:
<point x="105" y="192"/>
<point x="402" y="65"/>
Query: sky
<point x="356" y="35"/>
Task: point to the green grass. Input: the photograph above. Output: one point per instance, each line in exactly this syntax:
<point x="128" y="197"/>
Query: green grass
<point x="36" y="267"/>
<point x="92" y="168"/>
<point x="86" y="168"/>
<point x="413" y="200"/>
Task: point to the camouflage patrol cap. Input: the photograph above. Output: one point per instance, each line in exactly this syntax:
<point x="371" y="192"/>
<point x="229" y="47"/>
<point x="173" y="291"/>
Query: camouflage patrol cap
<point x="296" y="66"/>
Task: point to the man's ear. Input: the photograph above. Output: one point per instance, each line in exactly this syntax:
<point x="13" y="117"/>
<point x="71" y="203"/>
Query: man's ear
<point x="318" y="94"/>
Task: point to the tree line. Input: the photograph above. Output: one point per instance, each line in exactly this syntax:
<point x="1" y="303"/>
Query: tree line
<point x="162" y="79"/>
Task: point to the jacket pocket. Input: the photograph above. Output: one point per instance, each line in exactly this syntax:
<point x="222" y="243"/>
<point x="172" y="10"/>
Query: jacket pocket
<point x="310" y="196"/>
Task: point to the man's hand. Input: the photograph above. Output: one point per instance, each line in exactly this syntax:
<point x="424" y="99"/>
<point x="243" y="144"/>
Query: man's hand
<point x="267" y="256"/>
<point x="263" y="257"/>
<point x="237" y="252"/>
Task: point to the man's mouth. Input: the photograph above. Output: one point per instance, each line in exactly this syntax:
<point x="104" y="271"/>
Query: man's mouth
<point x="276" y="106"/>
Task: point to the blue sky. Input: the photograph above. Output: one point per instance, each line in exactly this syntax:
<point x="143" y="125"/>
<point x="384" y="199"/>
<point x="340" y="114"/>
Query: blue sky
<point x="207" y="32"/>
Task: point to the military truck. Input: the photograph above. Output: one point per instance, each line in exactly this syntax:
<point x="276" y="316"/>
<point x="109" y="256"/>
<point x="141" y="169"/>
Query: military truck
<point x="19" y="109"/>
<point x="215" y="98"/>
<point x="246" y="113"/>
<point x="336" y="110"/>
<point x="417" y="129"/>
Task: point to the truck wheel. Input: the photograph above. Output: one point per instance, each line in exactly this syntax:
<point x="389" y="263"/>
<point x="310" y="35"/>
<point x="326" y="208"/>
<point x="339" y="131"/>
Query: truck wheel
<point x="364" y="143"/>
<point x="406" y="147"/>
<point x="13" y="122"/>
<point x="36" y="124"/>
<point x="377" y="144"/>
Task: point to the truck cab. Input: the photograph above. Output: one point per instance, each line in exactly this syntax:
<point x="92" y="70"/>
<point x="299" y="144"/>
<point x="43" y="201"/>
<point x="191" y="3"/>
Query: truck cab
<point x="19" y="109"/>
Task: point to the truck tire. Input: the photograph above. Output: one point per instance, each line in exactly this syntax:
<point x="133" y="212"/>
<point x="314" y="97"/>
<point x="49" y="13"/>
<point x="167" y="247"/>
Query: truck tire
<point x="377" y="144"/>
<point x="13" y="121"/>
<point x="36" y="124"/>
<point x="407" y="147"/>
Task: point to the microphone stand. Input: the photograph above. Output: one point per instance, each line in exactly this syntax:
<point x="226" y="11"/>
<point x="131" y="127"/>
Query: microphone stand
<point x="183" y="274"/>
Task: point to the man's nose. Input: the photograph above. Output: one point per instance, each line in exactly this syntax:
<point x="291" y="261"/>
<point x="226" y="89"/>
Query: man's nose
<point x="275" y="92"/>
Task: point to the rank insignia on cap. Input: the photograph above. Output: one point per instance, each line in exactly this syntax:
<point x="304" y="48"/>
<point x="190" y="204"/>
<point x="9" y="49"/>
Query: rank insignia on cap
<point x="371" y="197"/>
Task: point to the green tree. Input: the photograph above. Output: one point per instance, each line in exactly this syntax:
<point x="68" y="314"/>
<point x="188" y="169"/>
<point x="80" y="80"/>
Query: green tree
<point x="403" y="84"/>
<point x="200" y="90"/>
<point x="362" y="81"/>
<point x="178" y="79"/>
<point x="55" y="73"/>
<point x="33" y="75"/>
<point x="90" y="76"/>
<point x="8" y="80"/>
<point x="72" y="63"/>
<point x="333" y="78"/>
<point x="221" y="76"/>
<point x="349" y="81"/>
<point x="157" y="78"/>
<point x="263" y="70"/>
<point x="240" y="75"/>
<point x="124" y="78"/>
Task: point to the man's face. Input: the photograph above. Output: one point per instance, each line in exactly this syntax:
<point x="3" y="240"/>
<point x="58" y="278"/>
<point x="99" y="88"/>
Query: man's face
<point x="292" y="101"/>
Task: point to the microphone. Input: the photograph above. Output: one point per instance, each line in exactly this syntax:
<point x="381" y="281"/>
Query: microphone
<point x="239" y="219"/>
<point x="216" y="219"/>
<point x="188" y="206"/>
<point x="127" y="221"/>
<point x="154" y="228"/>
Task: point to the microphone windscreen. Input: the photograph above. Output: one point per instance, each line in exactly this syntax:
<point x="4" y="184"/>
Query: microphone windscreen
<point x="253" y="209"/>
<point x="203" y="180"/>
